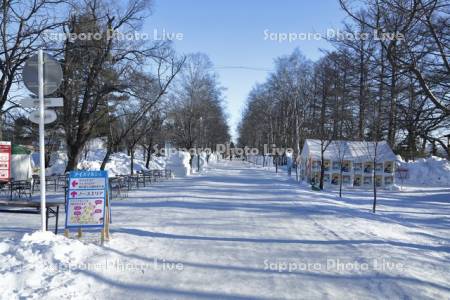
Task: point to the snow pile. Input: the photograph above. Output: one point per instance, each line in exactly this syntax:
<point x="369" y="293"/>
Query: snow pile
<point x="58" y="162"/>
<point x="157" y="162"/>
<point x="199" y="162"/>
<point x="118" y="164"/>
<point x="213" y="158"/>
<point x="178" y="162"/>
<point x="33" y="264"/>
<point x="95" y="144"/>
<point x="433" y="171"/>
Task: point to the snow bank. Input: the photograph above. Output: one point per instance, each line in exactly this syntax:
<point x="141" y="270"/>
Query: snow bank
<point x="178" y="162"/>
<point x="58" y="162"/>
<point x="32" y="265"/>
<point x="199" y="162"/>
<point x="433" y="171"/>
<point x="119" y="163"/>
<point x="213" y="158"/>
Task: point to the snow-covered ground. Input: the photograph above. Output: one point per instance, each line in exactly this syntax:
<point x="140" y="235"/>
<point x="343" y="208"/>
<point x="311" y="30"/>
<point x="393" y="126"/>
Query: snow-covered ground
<point x="240" y="232"/>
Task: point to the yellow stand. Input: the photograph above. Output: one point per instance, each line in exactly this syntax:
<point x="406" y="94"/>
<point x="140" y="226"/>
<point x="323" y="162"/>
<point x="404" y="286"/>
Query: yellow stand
<point x="104" y="234"/>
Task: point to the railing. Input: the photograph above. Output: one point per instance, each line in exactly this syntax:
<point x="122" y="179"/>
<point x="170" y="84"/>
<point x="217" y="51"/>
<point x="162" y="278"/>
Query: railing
<point x="120" y="185"/>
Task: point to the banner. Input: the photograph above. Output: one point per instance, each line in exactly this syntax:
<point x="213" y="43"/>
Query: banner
<point x="5" y="161"/>
<point x="86" y="198"/>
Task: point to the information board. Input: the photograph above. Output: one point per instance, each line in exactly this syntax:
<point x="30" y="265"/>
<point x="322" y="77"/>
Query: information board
<point x="5" y="161"/>
<point x="86" y="198"/>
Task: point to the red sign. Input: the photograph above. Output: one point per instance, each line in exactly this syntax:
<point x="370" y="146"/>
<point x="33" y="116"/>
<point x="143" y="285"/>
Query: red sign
<point x="5" y="161"/>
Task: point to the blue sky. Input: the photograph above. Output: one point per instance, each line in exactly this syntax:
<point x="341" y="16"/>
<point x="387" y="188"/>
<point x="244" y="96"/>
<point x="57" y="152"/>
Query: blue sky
<point x="231" y="33"/>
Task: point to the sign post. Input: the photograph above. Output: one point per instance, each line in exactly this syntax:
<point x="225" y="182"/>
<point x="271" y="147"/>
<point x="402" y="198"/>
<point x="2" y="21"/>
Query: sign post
<point x="88" y="202"/>
<point x="42" y="137"/>
<point x="42" y="77"/>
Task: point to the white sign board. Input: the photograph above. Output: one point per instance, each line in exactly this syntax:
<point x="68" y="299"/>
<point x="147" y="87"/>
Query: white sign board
<point x="48" y="102"/>
<point x="53" y="74"/>
<point x="49" y="116"/>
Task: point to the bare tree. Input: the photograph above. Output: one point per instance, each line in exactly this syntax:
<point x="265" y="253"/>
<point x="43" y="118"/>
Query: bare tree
<point x="23" y="25"/>
<point x="196" y="112"/>
<point x="144" y="92"/>
<point x="424" y="50"/>
<point x="95" y="69"/>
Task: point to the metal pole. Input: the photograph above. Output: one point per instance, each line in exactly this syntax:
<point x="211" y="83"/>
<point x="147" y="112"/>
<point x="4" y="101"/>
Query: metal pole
<point x="198" y="162"/>
<point x="42" y="136"/>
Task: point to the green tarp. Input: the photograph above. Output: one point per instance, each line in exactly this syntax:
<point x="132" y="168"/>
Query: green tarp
<point x="19" y="149"/>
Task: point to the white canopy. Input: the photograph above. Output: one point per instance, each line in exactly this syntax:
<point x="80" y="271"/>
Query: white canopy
<point x="348" y="150"/>
<point x="21" y="167"/>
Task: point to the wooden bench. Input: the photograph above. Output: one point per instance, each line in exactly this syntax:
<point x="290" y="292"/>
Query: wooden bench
<point x="32" y="207"/>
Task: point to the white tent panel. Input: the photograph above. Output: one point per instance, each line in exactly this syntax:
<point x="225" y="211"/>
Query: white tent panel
<point x="21" y="167"/>
<point x="349" y="150"/>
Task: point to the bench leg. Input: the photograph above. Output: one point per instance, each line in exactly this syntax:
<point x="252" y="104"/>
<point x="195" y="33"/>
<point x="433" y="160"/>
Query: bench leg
<point x="47" y="216"/>
<point x="57" y="217"/>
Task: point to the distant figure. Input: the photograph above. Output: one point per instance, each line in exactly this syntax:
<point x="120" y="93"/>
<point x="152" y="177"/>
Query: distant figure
<point x="289" y="162"/>
<point x="231" y="150"/>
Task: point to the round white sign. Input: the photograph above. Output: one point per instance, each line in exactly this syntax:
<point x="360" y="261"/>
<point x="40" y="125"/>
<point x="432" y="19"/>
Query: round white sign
<point x="53" y="74"/>
<point x="49" y="116"/>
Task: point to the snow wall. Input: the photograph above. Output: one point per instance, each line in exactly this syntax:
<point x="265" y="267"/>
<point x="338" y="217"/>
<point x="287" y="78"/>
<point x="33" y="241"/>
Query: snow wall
<point x="178" y="162"/>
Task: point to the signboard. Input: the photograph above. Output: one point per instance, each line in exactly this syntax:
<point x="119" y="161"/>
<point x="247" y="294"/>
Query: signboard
<point x="52" y="74"/>
<point x="86" y="199"/>
<point x="5" y="161"/>
<point x="49" y="116"/>
<point x="48" y="102"/>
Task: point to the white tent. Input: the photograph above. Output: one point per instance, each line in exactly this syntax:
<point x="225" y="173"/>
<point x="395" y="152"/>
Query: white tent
<point x="349" y="150"/>
<point x="21" y="167"/>
<point x="355" y="163"/>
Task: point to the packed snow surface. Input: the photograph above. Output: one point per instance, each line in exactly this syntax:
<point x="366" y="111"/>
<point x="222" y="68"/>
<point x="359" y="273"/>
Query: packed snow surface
<point x="239" y="231"/>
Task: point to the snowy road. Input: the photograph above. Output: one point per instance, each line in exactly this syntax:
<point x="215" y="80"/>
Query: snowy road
<point x="240" y="232"/>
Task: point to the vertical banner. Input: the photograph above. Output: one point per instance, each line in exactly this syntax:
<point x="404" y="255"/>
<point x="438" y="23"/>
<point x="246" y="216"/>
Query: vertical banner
<point x="5" y="161"/>
<point x="86" y="199"/>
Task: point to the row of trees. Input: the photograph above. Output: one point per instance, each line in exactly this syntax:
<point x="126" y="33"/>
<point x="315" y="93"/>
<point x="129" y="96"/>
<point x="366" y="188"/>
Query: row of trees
<point x="133" y="93"/>
<point x="389" y="81"/>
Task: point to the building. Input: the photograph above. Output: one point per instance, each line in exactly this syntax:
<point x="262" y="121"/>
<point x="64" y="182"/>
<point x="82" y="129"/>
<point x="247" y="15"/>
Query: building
<point x="356" y="160"/>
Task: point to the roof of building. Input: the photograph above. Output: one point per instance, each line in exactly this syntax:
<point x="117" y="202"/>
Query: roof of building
<point x="348" y="150"/>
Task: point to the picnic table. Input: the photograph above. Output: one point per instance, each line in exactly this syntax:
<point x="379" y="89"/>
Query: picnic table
<point x="32" y="207"/>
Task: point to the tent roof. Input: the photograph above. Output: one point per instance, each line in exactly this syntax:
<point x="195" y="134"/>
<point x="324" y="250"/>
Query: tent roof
<point x="348" y="150"/>
<point x="19" y="149"/>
